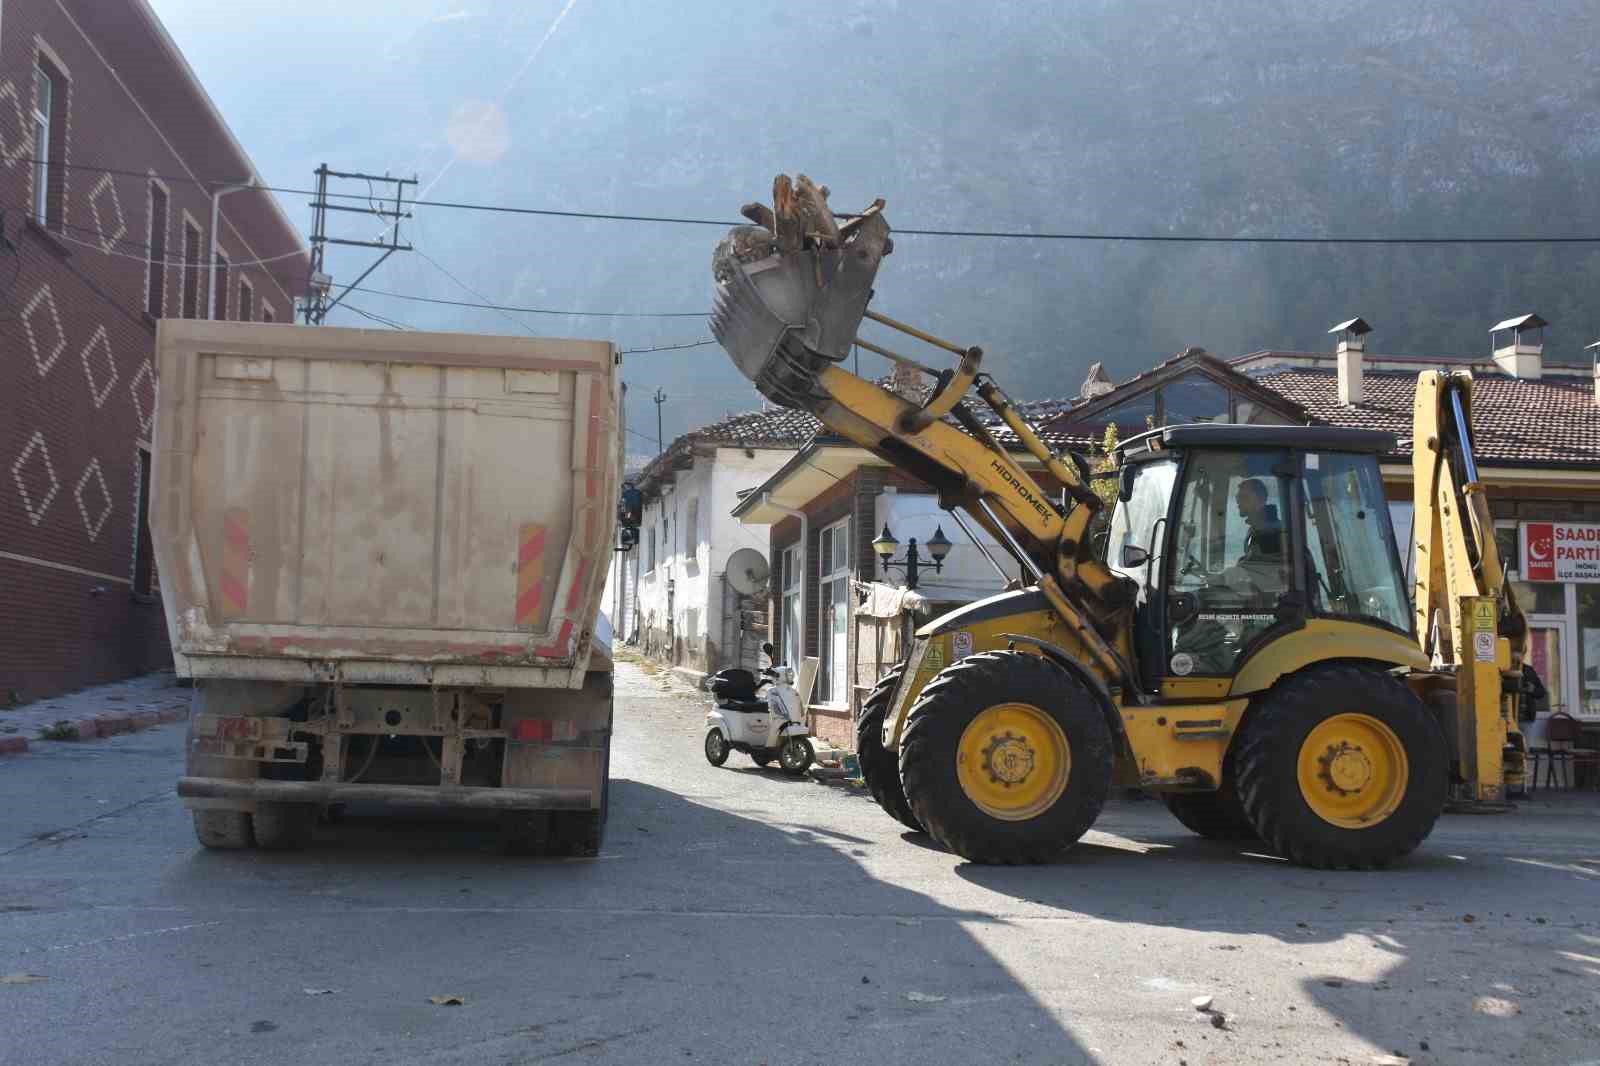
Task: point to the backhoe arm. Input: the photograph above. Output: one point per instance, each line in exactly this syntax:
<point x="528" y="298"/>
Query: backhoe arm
<point x="788" y="309"/>
<point x="1466" y="615"/>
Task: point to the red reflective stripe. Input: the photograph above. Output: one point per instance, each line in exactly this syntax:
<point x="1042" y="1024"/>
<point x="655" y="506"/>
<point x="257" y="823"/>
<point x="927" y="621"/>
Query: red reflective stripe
<point x="531" y="729"/>
<point x="530" y="573"/>
<point x="577" y="584"/>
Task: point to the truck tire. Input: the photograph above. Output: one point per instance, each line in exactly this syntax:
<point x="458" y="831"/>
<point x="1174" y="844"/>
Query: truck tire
<point x="580" y="833"/>
<point x="1341" y="767"/>
<point x="284" y="826"/>
<point x="526" y="832"/>
<point x="1006" y="758"/>
<point x="1214" y="815"/>
<point x="879" y="767"/>
<point x="222" y="830"/>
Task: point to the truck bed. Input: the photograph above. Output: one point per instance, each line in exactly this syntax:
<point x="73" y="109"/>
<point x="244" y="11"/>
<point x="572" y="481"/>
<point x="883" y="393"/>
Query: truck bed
<point x="382" y="506"/>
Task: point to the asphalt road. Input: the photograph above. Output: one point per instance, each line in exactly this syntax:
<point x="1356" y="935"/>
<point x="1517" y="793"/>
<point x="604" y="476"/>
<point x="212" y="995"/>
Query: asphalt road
<point x="739" y="916"/>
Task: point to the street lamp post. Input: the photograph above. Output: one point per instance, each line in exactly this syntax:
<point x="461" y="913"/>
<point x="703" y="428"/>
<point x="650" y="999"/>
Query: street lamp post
<point x="938" y="547"/>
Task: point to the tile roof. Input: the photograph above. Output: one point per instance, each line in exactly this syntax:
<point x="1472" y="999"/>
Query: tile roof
<point x="1552" y="421"/>
<point x="775" y="427"/>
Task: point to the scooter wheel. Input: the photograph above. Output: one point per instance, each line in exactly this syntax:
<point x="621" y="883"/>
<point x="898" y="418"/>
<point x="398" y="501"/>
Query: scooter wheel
<point x="796" y="755"/>
<point x="716" y="747"/>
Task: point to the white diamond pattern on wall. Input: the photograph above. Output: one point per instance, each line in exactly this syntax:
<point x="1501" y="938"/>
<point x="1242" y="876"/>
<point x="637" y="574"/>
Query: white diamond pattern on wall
<point x="107" y="213"/>
<point x="95" y="524"/>
<point x="101" y="343"/>
<point x="143" y="390"/>
<point x="36" y="478"/>
<point x="16" y="143"/>
<point x="39" y="318"/>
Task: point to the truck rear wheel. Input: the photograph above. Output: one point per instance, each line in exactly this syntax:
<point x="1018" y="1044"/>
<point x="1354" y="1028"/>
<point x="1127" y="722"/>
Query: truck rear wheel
<point x="879" y="767"/>
<point x="1214" y="815"/>
<point x="1006" y="758"/>
<point x="1341" y="767"/>
<point x="284" y="826"/>
<point x="222" y="830"/>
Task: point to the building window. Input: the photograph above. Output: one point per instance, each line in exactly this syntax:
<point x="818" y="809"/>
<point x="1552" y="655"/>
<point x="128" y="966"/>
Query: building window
<point x="691" y="535"/>
<point x="156" y="288"/>
<point x="833" y="607"/>
<point x="191" y="270"/>
<point x="650" y="551"/>
<point x="49" y="144"/>
<point x="790" y="618"/>
<point x="220" y="280"/>
<point x="267" y="313"/>
<point x="144" y="565"/>
<point x="247" y="302"/>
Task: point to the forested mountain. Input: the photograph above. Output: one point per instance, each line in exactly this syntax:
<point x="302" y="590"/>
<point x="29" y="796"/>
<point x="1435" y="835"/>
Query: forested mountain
<point x="1411" y="118"/>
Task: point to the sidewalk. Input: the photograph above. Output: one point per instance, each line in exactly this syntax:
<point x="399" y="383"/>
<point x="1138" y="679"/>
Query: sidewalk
<point x="100" y="711"/>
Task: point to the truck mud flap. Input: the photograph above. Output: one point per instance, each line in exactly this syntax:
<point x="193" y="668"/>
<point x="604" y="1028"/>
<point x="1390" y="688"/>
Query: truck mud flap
<point x="438" y="797"/>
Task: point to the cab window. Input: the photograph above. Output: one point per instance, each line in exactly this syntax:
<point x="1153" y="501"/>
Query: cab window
<point x="1231" y="571"/>
<point x="1352" y="563"/>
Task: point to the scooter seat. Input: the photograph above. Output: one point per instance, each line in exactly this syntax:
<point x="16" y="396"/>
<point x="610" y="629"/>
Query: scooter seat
<point x="744" y="706"/>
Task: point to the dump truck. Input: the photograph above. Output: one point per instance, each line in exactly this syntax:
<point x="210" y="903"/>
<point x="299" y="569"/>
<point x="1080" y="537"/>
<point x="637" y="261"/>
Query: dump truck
<point x="381" y="557"/>
<point x="1236" y="636"/>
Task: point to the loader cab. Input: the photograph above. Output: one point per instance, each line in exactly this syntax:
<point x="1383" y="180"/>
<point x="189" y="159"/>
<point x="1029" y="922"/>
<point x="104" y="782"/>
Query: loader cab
<point x="1235" y="534"/>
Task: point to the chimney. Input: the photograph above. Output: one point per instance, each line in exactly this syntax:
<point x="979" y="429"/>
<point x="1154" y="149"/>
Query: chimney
<point x="1347" y="357"/>
<point x="1518" y="345"/>
<point x="1595" y="349"/>
<point x="1096" y="383"/>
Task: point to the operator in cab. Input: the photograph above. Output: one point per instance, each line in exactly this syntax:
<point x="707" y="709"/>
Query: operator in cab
<point x="1258" y="574"/>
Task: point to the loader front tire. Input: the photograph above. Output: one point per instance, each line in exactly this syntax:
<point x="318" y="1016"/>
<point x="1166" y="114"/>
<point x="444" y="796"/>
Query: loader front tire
<point x="1006" y="758"/>
<point x="1341" y="767"/>
<point x="223" y="830"/>
<point x="879" y="767"/>
<point x="1214" y="815"/>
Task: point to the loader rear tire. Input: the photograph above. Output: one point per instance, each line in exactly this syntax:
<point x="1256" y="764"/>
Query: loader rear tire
<point x="879" y="766"/>
<point x="1341" y="767"/>
<point x="1006" y="758"/>
<point x="1214" y="815"/>
<point x="284" y="826"/>
<point x="223" y="830"/>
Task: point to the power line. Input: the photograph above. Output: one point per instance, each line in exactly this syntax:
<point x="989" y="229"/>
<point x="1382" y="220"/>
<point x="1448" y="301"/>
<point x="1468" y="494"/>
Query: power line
<point x="490" y="306"/>
<point x="666" y="347"/>
<point x="441" y="268"/>
<point x="910" y="231"/>
<point x="390" y="322"/>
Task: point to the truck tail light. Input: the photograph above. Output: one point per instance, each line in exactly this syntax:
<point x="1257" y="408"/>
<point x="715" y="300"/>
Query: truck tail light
<point x="544" y="729"/>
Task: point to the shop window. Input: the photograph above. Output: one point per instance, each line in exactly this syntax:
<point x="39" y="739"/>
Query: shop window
<point x="1589" y="651"/>
<point x="247" y="301"/>
<point x="791" y="619"/>
<point x="833" y="607"/>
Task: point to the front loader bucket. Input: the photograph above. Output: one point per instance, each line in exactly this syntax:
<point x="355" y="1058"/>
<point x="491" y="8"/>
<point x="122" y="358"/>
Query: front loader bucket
<point x="785" y="318"/>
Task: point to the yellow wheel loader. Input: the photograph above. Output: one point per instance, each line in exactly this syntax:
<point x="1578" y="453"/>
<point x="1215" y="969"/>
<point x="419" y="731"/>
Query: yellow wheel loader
<point x="1238" y="638"/>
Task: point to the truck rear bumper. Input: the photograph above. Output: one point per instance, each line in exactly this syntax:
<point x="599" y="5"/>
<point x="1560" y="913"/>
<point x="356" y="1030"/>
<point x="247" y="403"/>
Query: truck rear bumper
<point x="438" y="797"/>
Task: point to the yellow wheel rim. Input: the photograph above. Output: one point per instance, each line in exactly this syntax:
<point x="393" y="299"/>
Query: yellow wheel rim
<point x="1013" y="761"/>
<point x="1352" y="771"/>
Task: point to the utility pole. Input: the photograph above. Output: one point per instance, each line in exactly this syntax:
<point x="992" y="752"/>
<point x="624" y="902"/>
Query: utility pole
<point x="660" y="398"/>
<point x="385" y="206"/>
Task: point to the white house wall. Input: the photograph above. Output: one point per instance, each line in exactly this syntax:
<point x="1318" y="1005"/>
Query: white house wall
<point x="691" y="574"/>
<point x="967" y="575"/>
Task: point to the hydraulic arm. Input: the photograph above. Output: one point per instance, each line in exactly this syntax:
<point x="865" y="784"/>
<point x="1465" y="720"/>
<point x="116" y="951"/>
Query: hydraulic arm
<point x="1466" y="614"/>
<point x="793" y="295"/>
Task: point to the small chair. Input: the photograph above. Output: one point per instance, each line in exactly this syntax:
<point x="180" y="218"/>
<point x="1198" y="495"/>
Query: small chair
<point x="1562" y="733"/>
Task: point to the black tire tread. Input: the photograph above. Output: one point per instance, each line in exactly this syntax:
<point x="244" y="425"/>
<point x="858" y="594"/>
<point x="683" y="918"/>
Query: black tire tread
<point x="223" y="830"/>
<point x="926" y="757"/>
<point x="284" y="826"/>
<point x="1214" y="815"/>
<point x="1268" y="741"/>
<point x="879" y="766"/>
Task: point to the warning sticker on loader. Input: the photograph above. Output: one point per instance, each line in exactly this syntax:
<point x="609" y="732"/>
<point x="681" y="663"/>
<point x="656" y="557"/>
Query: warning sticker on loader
<point x="960" y="644"/>
<point x="1483" y="647"/>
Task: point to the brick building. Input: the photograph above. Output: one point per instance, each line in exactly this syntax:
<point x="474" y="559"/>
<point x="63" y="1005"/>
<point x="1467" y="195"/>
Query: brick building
<point x="110" y="155"/>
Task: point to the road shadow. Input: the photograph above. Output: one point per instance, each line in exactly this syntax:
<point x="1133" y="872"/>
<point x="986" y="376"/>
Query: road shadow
<point x="686" y="904"/>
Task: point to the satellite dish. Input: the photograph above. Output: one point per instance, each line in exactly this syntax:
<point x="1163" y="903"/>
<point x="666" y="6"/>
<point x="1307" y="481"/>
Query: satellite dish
<point x="748" y="571"/>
